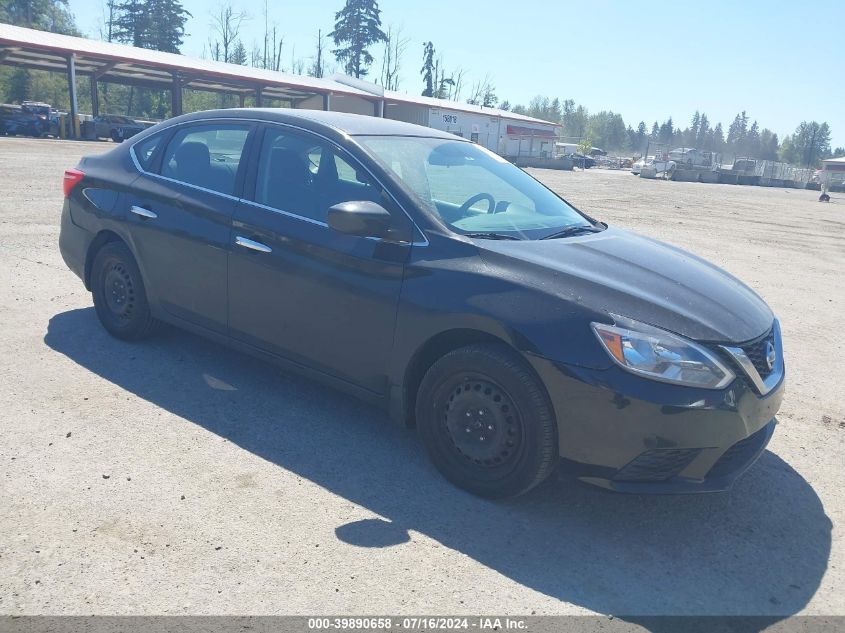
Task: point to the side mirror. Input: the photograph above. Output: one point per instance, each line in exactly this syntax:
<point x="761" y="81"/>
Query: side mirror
<point x="362" y="218"/>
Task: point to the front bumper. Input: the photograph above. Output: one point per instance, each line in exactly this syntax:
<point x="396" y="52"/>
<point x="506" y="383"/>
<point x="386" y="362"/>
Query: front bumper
<point x="631" y="434"/>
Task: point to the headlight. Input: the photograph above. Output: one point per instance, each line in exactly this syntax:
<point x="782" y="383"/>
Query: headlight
<point x="660" y="355"/>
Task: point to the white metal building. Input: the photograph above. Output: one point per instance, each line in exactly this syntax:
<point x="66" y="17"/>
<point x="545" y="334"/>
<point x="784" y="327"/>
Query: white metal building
<point x="506" y="133"/>
<point x="833" y="171"/>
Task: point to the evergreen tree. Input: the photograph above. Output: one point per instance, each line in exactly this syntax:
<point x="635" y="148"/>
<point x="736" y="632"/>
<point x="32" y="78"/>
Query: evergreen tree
<point x="809" y="144"/>
<point x="427" y="70"/>
<point x="642" y="134"/>
<point x="655" y="131"/>
<point x="667" y="132"/>
<point x="768" y="145"/>
<point x="131" y="23"/>
<point x="19" y="86"/>
<point x="752" y="141"/>
<point x="691" y="137"/>
<point x="717" y="143"/>
<point x="239" y="55"/>
<point x="42" y="15"/>
<point x="704" y="136"/>
<point x="357" y="26"/>
<point x="737" y="132"/>
<point x="166" y="23"/>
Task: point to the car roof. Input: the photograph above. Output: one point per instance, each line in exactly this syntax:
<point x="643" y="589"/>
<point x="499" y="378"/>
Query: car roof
<point x="345" y="123"/>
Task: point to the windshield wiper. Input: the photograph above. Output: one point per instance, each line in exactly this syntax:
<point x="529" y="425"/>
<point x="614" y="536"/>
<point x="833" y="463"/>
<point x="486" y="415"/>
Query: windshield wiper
<point x="492" y="236"/>
<point x="574" y="229"/>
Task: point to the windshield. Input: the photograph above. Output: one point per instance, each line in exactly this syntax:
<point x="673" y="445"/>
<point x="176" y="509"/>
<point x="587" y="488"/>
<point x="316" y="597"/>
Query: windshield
<point x="472" y="189"/>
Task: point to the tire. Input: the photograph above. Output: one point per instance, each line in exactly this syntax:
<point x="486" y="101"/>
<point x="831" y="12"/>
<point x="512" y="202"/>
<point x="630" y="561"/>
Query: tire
<point x="116" y="137"/>
<point x="487" y="385"/>
<point x="120" y="299"/>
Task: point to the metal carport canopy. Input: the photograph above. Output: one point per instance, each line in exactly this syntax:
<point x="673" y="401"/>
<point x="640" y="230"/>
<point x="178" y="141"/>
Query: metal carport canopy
<point x="110" y="62"/>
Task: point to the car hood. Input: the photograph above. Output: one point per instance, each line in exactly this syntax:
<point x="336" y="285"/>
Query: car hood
<point x="619" y="272"/>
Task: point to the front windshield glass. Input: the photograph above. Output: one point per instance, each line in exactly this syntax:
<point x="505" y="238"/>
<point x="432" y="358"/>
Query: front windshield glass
<point x="472" y="189"/>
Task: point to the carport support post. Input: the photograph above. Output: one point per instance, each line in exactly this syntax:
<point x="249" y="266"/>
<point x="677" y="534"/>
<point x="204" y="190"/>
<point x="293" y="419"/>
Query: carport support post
<point x="242" y="99"/>
<point x="71" y="83"/>
<point x="259" y="97"/>
<point x="176" y="96"/>
<point x="95" y="97"/>
<point x="378" y="108"/>
<point x="327" y="102"/>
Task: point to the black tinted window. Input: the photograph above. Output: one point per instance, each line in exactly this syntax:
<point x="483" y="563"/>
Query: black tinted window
<point x="301" y="176"/>
<point x="144" y="150"/>
<point x="207" y="156"/>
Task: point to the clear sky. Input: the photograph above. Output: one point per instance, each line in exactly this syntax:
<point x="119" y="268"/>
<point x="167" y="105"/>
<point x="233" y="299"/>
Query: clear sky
<point x="781" y="61"/>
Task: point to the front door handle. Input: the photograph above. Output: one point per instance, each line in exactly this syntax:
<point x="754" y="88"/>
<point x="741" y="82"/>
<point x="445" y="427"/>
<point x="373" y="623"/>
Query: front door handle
<point x="144" y="213"/>
<point x="252" y="245"/>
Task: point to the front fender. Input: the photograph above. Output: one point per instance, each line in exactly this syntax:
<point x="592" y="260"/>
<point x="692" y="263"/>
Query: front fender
<point x="464" y="292"/>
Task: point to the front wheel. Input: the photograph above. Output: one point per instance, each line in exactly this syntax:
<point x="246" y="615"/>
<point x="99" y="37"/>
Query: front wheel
<point x="119" y="295"/>
<point x="487" y="422"/>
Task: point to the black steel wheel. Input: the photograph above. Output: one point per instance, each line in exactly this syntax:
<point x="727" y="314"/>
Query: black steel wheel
<point x="120" y="299"/>
<point x="486" y="421"/>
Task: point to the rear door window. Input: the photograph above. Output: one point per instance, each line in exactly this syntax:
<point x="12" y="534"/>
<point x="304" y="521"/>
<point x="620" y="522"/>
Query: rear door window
<point x="206" y="156"/>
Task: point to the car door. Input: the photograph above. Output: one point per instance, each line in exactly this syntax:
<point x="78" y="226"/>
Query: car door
<point x="180" y="214"/>
<point x="299" y="289"/>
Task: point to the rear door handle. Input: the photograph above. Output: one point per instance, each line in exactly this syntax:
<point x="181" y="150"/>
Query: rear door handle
<point x="144" y="213"/>
<point x="252" y="244"/>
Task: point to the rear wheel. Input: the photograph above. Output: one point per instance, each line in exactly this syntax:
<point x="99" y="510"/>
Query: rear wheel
<point x="119" y="295"/>
<point x="486" y="421"/>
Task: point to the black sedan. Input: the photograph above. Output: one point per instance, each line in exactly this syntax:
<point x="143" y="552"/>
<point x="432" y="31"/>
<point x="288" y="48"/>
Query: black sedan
<point x="428" y="275"/>
<point x="584" y="162"/>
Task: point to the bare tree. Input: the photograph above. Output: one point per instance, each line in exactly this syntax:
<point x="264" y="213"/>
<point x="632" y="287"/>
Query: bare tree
<point x="226" y="23"/>
<point x="107" y="27"/>
<point x="266" y="34"/>
<point x="483" y="93"/>
<point x="394" y="48"/>
<point x="277" y="43"/>
<point x="297" y="64"/>
<point x="457" y="84"/>
<point x="318" y="65"/>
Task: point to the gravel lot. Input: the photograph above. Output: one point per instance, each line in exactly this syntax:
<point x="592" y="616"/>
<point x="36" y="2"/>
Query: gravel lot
<point x="177" y="476"/>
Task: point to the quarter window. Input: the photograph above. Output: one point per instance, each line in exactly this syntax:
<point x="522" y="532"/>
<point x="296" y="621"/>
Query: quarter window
<point x="206" y="156"/>
<point x="306" y="178"/>
<point x="144" y="150"/>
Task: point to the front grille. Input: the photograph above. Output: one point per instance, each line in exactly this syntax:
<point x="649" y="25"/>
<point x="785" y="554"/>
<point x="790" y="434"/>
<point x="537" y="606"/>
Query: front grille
<point x="738" y="455"/>
<point x="756" y="352"/>
<point x="657" y="464"/>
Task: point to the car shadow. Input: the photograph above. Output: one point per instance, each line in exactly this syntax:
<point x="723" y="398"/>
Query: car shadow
<point x="759" y="550"/>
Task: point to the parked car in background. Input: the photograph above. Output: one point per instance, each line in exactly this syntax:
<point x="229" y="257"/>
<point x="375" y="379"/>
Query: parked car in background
<point x="426" y="274"/>
<point x="116" y="127"/>
<point x="691" y="157"/>
<point x="584" y="162"/>
<point x="9" y="114"/>
<point x="31" y="118"/>
<point x="659" y="165"/>
<point x="637" y="167"/>
<point x="744" y="166"/>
